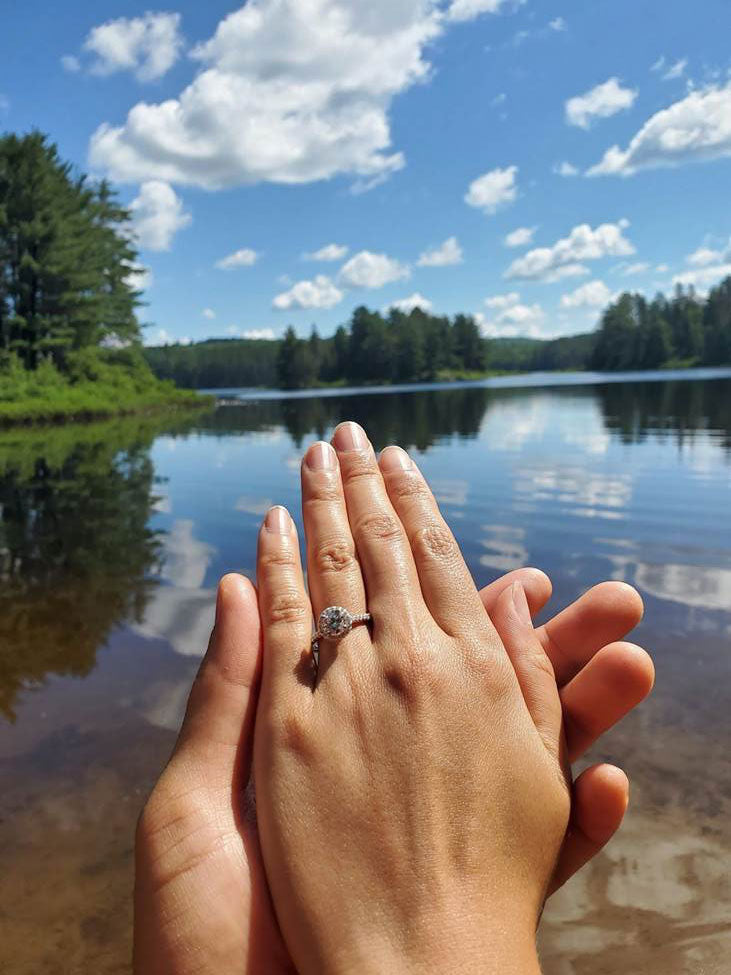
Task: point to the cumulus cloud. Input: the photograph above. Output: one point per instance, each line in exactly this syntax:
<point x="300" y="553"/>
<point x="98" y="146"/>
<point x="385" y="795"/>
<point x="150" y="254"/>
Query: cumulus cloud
<point x="157" y="215"/>
<point x="493" y="190"/>
<point x="446" y="254"/>
<point x="310" y="86"/>
<point x="407" y="305"/>
<point x="565" y="169"/>
<point x="267" y="334"/>
<point x="469" y="9"/>
<point x="639" y="267"/>
<point x="368" y="270"/>
<point x="706" y="255"/>
<point x="241" y="258"/>
<point x="139" y="278"/>
<point x="161" y="336"/>
<point x="148" y="46"/>
<point x="601" y="102"/>
<point x="208" y="313"/>
<point x="704" y="277"/>
<point x="321" y="292"/>
<point x="520" y="237"/>
<point x="593" y="294"/>
<point x="695" y="129"/>
<point x="558" y="24"/>
<point x="330" y="252"/>
<point x="512" y="318"/>
<point x="565" y="257"/>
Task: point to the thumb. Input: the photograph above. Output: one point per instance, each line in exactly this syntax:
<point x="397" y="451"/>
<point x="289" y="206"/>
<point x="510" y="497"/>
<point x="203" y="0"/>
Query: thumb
<point x="217" y="732"/>
<point x="512" y="620"/>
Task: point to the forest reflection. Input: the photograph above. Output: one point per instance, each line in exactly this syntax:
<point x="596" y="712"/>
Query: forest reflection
<point x="78" y="553"/>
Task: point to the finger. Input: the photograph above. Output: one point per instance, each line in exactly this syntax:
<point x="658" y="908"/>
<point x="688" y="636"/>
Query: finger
<point x="286" y="614"/>
<point x="383" y="549"/>
<point x="333" y="572"/>
<point x="601" y="796"/>
<point x="511" y="617"/>
<point x="537" y="587"/>
<point x="219" y="720"/>
<point x="446" y="583"/>
<point x="617" y="678"/>
<point x="606" y="613"/>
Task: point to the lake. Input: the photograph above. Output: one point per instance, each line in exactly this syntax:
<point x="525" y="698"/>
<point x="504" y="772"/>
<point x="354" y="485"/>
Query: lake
<point x="112" y="538"/>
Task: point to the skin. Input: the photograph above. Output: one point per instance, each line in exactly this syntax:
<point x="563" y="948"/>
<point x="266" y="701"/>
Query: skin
<point x="202" y="903"/>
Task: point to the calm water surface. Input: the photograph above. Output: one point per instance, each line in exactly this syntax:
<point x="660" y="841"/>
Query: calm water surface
<point x="112" y="538"/>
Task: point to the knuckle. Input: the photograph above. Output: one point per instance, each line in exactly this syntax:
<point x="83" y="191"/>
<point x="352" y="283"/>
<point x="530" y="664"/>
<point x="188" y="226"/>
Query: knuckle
<point x="286" y="607"/>
<point x="358" y="466"/>
<point x="278" y="558"/>
<point x="379" y="527"/>
<point x="406" y="486"/>
<point x="333" y="556"/>
<point x="294" y="735"/>
<point x="435" y="542"/>
<point x="321" y="493"/>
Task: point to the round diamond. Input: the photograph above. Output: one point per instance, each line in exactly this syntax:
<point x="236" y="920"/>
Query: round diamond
<point x="335" y="622"/>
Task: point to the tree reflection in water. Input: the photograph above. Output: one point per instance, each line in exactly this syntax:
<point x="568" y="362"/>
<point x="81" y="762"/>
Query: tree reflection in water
<point x="76" y="551"/>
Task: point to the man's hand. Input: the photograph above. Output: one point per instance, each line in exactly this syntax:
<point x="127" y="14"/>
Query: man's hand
<point x="201" y="899"/>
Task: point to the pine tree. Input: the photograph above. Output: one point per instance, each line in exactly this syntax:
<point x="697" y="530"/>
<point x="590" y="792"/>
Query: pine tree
<point x="65" y="256"/>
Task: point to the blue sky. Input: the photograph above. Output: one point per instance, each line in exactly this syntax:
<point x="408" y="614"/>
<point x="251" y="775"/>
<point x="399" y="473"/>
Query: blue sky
<point x="522" y="162"/>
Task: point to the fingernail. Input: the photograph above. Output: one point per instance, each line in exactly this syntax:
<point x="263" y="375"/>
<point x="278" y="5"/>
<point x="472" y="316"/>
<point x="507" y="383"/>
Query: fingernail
<point x="350" y="436"/>
<point x="321" y="457"/>
<point x="520" y="604"/>
<point x="278" y="520"/>
<point x="395" y="459"/>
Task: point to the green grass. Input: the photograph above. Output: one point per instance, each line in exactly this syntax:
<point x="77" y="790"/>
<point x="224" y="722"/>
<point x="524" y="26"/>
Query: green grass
<point x="95" y="384"/>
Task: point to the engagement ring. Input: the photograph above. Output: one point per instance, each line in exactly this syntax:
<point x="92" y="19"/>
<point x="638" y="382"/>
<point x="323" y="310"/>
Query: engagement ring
<point x="334" y="623"/>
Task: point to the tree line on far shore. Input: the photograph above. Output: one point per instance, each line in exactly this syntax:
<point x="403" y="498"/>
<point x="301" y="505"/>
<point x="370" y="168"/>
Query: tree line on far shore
<point x="633" y="334"/>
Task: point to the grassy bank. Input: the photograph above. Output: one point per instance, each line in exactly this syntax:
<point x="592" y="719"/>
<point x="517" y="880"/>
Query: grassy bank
<point x="94" y="384"/>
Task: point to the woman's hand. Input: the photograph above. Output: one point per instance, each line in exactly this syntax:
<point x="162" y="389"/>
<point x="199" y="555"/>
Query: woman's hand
<point x="413" y="796"/>
<point x="201" y="900"/>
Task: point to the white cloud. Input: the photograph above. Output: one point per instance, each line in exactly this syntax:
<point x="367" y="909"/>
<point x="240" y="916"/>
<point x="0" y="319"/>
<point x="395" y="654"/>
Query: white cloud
<point x="558" y="24"/>
<point x="513" y="318"/>
<point x="139" y="278"/>
<point x="469" y="9"/>
<point x="208" y="313"/>
<point x="639" y="267"/>
<point x="593" y="294"/>
<point x="662" y="268"/>
<point x="330" y="252"/>
<point x="445" y="255"/>
<point x="157" y="215"/>
<point x="520" y="237"/>
<point x="704" y="276"/>
<point x="70" y="63"/>
<point x="498" y="100"/>
<point x="368" y="270"/>
<point x="259" y="333"/>
<point x="493" y="190"/>
<point x="676" y="70"/>
<point x="318" y="293"/>
<point x="564" y="258"/>
<point x="503" y="301"/>
<point x="241" y="258"/>
<point x="694" y="129"/>
<point x="162" y="337"/>
<point x="148" y="46"/>
<point x="600" y="102"/>
<point x="415" y="300"/>
<point x="705" y="256"/>
<point x="566" y="169"/>
<point x="309" y="84"/>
